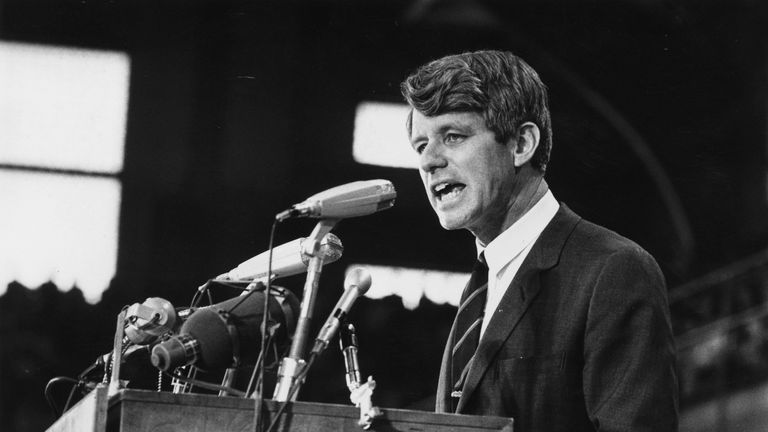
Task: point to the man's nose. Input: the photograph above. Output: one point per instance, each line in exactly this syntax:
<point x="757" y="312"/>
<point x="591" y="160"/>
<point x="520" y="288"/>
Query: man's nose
<point x="432" y="157"/>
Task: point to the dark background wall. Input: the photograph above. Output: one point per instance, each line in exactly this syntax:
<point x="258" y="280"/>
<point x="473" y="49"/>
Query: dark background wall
<point x="240" y="108"/>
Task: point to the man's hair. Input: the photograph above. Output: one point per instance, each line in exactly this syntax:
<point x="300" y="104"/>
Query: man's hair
<point x="500" y="86"/>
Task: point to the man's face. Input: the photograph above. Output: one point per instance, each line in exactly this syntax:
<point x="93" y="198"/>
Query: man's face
<point x="468" y="176"/>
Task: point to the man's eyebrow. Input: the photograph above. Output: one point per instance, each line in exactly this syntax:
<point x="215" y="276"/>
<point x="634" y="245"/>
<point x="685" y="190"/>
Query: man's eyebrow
<point x="443" y="129"/>
<point x="416" y="138"/>
<point x="454" y="125"/>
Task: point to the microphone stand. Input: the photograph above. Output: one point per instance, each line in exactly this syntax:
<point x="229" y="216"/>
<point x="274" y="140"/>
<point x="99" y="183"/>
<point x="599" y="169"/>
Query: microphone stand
<point x="359" y="392"/>
<point x="117" y="354"/>
<point x="291" y="366"/>
<point x="227" y="380"/>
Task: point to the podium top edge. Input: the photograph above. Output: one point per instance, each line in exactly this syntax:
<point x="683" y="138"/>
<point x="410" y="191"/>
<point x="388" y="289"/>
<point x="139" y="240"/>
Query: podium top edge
<point x="302" y="407"/>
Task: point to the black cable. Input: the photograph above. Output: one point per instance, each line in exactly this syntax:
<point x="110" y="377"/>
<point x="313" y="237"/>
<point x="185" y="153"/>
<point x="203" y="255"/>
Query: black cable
<point x="259" y="399"/>
<point x="199" y="294"/>
<point x="254" y="373"/>
<point x="239" y="285"/>
<point x="71" y="395"/>
<point x="210" y="297"/>
<point x="269" y="282"/>
<point x="255" y="376"/>
<point x="49" y="397"/>
<point x="205" y="289"/>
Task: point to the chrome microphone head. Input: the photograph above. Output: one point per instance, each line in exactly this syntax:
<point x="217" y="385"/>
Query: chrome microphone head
<point x="360" y="278"/>
<point x="331" y="248"/>
<point x="147" y="321"/>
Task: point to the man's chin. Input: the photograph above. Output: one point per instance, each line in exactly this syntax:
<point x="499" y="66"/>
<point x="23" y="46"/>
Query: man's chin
<point x="450" y="224"/>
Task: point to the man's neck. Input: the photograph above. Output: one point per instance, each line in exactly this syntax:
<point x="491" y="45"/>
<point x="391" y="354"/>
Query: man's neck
<point x="530" y="193"/>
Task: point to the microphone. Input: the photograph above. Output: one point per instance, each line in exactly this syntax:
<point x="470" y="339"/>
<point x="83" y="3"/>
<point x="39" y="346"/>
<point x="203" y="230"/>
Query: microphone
<point x="103" y="361"/>
<point x="224" y="334"/>
<point x="357" y="282"/>
<point x="348" y="345"/>
<point x="287" y="259"/>
<point x="147" y="321"/>
<point x="354" y="199"/>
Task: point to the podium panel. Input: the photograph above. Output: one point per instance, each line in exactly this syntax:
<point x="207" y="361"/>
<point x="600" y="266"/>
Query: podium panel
<point x="146" y="411"/>
<point x="88" y="415"/>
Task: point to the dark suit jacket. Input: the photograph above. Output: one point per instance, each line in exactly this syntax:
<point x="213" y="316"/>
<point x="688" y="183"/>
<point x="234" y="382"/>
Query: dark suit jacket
<point x="581" y="340"/>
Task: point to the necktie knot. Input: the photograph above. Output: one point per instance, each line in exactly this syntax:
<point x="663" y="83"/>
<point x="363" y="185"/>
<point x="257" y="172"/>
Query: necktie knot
<point x="477" y="280"/>
<point x="481" y="268"/>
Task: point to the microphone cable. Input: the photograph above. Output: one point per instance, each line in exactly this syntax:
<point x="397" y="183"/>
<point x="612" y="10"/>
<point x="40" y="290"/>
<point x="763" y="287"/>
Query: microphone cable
<point x="259" y="390"/>
<point x="49" y="394"/>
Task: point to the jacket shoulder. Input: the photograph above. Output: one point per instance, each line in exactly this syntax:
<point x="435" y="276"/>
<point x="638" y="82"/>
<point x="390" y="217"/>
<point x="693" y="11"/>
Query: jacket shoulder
<point x="597" y="247"/>
<point x="593" y="238"/>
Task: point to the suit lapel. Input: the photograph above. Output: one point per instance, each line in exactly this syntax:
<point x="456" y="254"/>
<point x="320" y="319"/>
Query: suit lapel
<point x="518" y="297"/>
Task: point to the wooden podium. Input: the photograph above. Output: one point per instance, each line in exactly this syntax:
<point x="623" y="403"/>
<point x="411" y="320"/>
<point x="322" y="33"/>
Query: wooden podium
<point x="146" y="411"/>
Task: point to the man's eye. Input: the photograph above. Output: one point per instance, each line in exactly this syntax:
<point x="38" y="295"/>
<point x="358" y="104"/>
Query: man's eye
<point x="453" y="138"/>
<point x="420" y="147"/>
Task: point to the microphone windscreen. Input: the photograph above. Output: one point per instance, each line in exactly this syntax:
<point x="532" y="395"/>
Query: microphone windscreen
<point x="210" y="330"/>
<point x="233" y="327"/>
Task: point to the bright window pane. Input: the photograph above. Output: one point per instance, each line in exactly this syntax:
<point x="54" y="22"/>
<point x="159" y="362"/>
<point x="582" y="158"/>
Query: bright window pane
<point x="62" y="107"/>
<point x="380" y="137"/>
<point x="59" y="228"/>
<point x="412" y="284"/>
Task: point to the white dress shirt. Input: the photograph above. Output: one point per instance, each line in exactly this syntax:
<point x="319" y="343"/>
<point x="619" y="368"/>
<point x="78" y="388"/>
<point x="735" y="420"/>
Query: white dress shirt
<point x="508" y="250"/>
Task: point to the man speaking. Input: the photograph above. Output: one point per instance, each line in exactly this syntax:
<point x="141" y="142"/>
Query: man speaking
<point x="564" y="325"/>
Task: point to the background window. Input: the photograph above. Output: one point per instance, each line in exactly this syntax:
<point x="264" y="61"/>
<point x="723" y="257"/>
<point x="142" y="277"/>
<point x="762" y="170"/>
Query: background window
<point x="62" y="132"/>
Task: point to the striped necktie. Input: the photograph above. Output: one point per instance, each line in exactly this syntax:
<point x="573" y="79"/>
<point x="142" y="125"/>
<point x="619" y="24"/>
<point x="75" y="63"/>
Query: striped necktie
<point x="469" y="319"/>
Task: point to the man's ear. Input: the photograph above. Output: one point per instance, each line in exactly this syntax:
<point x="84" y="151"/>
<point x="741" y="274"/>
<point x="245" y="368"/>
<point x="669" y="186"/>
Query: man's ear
<point x="525" y="143"/>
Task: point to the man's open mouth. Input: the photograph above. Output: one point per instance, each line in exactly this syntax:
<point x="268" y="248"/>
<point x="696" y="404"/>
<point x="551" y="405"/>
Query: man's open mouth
<point x="446" y="190"/>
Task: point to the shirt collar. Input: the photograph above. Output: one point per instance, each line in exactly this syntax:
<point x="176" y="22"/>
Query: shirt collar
<point x="510" y="243"/>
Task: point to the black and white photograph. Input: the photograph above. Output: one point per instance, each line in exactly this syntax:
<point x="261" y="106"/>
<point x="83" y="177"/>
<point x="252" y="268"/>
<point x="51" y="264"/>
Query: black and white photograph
<point x="403" y="215"/>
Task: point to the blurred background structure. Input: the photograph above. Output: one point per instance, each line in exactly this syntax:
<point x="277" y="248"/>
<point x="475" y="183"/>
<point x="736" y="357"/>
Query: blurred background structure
<point x="145" y="146"/>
